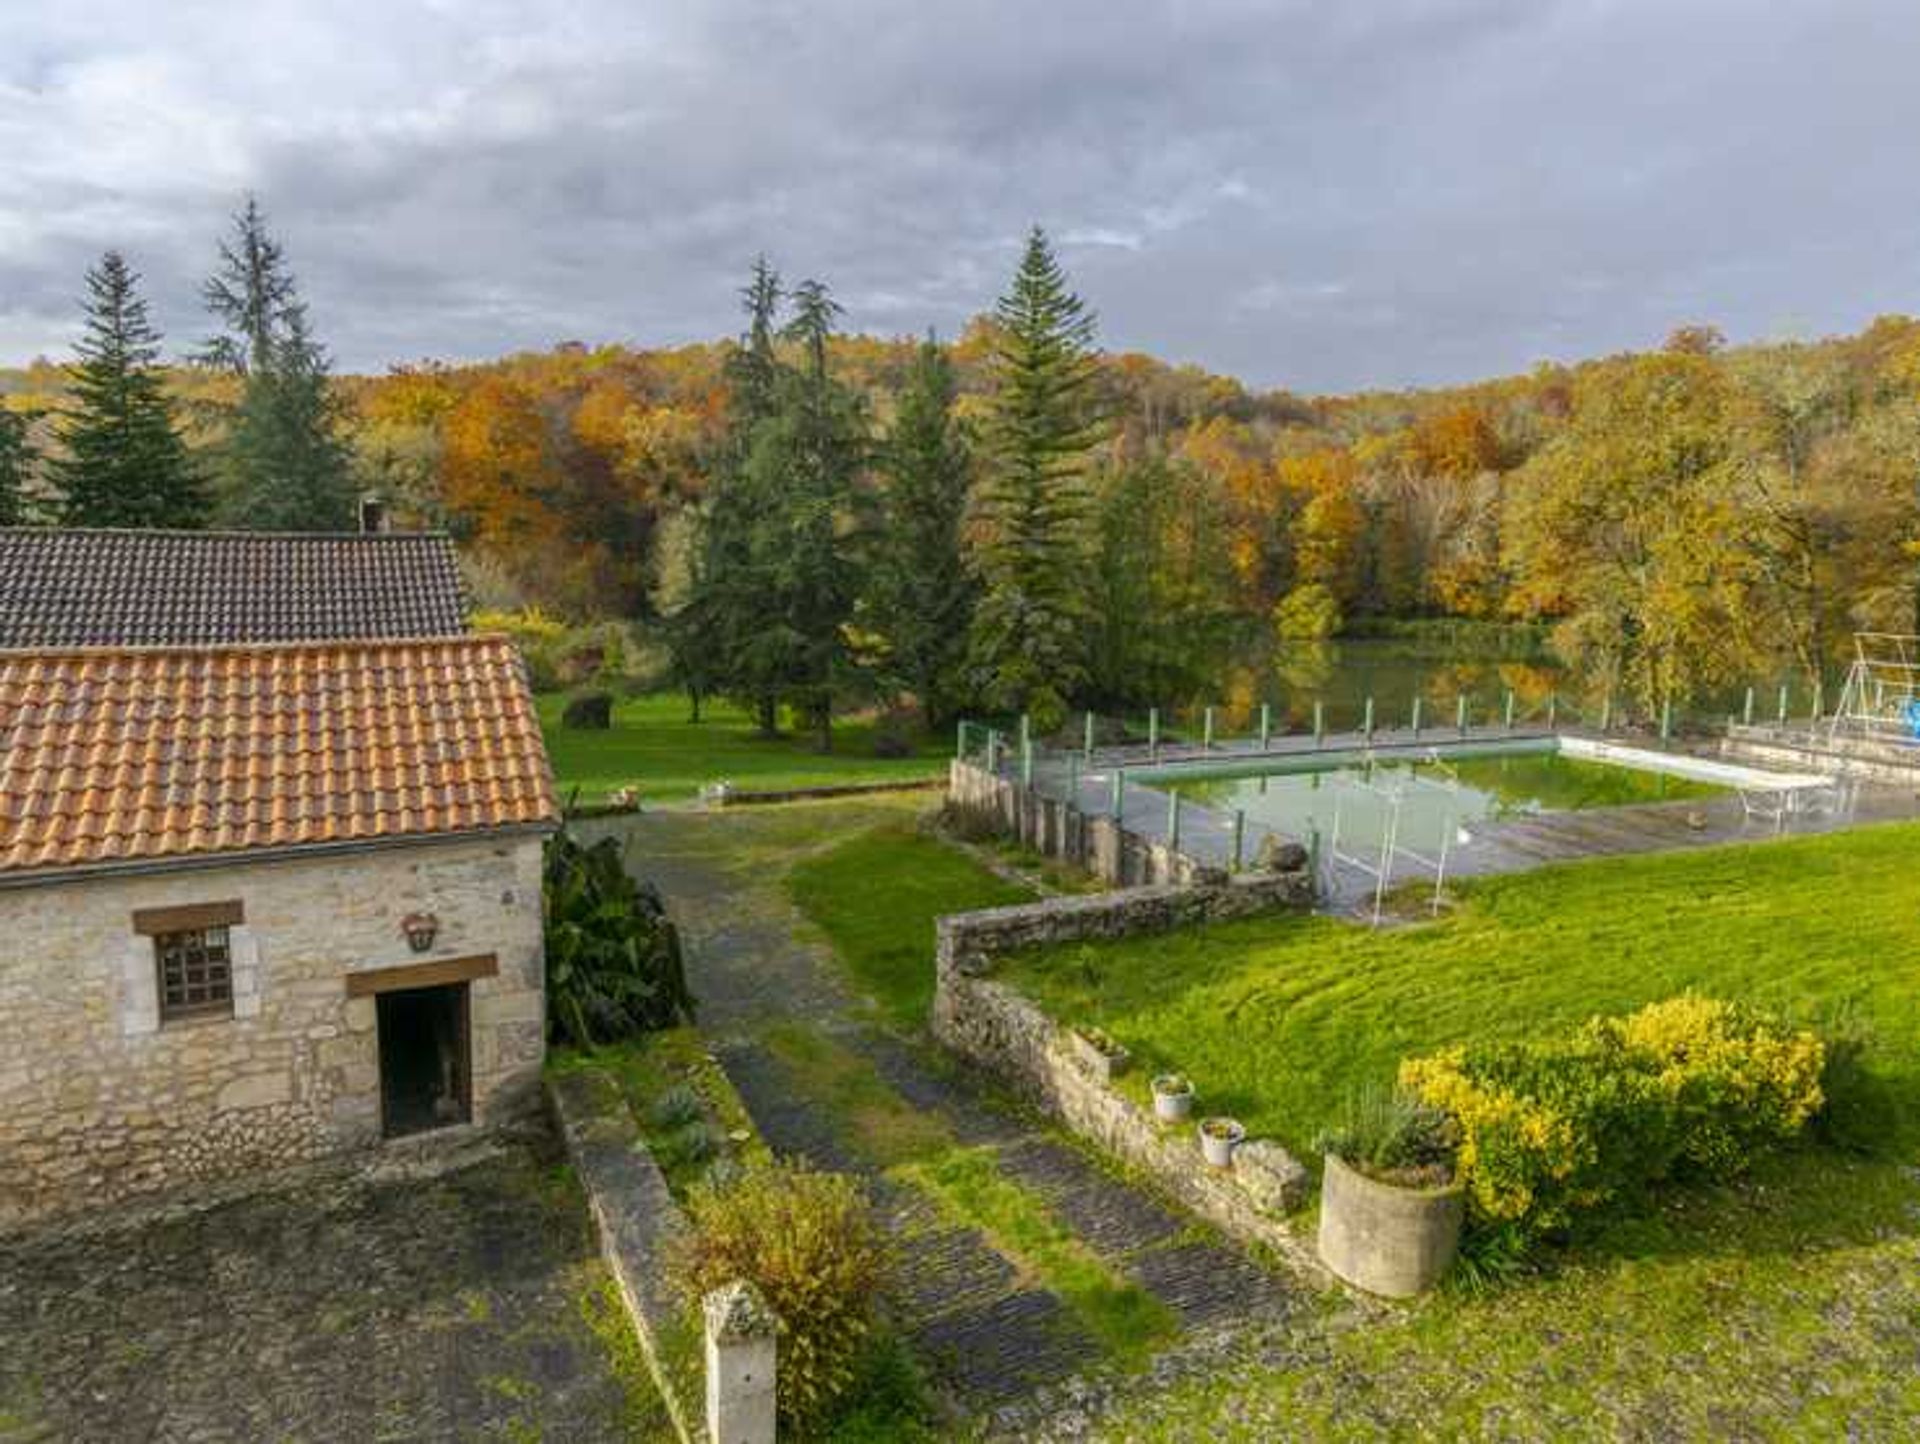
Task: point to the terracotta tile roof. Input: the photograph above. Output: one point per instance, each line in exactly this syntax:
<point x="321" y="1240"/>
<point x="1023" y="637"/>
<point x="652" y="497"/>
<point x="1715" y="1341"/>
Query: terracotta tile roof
<point x="78" y="588"/>
<point x="119" y="756"/>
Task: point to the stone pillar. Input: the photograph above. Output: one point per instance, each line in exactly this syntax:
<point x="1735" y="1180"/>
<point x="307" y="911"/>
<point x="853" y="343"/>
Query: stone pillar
<point x="740" y="1365"/>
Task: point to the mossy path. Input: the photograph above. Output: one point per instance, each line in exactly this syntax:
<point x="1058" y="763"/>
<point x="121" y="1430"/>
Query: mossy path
<point x="1029" y="1271"/>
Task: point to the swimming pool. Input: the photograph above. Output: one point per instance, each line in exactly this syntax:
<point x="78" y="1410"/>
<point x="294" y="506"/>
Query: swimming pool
<point x="1424" y="796"/>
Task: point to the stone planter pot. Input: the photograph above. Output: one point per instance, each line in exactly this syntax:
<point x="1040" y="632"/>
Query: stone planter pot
<point x="1098" y="1056"/>
<point x="1218" y="1138"/>
<point x="1388" y="1240"/>
<point x="1172" y="1098"/>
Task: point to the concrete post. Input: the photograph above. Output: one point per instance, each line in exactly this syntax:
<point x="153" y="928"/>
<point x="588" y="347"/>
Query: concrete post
<point x="741" y="1331"/>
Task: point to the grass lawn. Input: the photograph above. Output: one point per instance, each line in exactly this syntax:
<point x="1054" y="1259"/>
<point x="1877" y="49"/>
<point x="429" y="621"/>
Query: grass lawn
<point x="876" y="896"/>
<point x="1276" y="1019"/>
<point x="653" y="748"/>
<point x="1785" y="1304"/>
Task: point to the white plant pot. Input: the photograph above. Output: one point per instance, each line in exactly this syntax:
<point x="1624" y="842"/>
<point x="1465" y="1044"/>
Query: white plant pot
<point x="1172" y="1106"/>
<point x="1217" y="1148"/>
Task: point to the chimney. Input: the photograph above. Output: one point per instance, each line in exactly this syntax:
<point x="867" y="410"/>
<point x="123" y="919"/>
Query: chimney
<point x="373" y="514"/>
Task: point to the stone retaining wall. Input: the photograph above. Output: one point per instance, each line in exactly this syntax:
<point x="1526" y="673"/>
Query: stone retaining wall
<point x="998" y="1028"/>
<point x="1866" y="759"/>
<point x="635" y="1218"/>
<point x="1055" y="828"/>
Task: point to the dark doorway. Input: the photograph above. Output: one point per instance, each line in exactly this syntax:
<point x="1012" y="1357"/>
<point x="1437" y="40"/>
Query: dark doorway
<point x="423" y="1059"/>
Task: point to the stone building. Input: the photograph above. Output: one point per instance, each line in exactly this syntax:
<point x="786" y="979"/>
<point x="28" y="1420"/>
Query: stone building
<point x="260" y="902"/>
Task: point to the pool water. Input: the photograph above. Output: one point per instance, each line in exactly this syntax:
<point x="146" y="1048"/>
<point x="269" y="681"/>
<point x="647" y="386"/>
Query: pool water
<point x="1437" y="797"/>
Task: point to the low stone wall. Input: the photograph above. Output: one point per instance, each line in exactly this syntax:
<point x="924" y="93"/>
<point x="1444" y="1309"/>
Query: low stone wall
<point x="635" y="1217"/>
<point x="1865" y="759"/>
<point x="1055" y="828"/>
<point x="996" y="1027"/>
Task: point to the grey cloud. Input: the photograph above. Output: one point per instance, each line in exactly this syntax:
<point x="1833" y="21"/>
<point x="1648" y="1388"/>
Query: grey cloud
<point x="1308" y="195"/>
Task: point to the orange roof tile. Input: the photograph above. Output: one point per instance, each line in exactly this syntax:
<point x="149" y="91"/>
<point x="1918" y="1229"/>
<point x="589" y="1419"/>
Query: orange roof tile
<point x="131" y="755"/>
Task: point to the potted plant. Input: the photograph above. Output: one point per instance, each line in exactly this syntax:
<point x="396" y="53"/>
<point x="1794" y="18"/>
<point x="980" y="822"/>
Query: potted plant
<point x="1099" y="1053"/>
<point x="1390" y="1204"/>
<point x="1218" y="1138"/>
<point x="1172" y="1097"/>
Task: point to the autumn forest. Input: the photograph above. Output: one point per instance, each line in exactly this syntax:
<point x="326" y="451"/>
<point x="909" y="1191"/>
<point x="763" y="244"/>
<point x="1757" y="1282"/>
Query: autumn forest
<point x="810" y="517"/>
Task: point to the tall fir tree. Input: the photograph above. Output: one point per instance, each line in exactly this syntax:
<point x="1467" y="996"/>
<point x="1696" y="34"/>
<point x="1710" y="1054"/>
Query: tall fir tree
<point x="16" y="466"/>
<point x="122" y="462"/>
<point x="923" y="591"/>
<point x="1028" y="645"/>
<point x="720" y="639"/>
<point x="286" y="466"/>
<point x="808" y="456"/>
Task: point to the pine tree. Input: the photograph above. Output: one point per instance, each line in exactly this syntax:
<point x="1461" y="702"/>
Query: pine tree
<point x="809" y="455"/>
<point x="286" y="466"/>
<point x="1028" y="646"/>
<point x="124" y="464"/>
<point x="16" y="465"/>
<point x="923" y="591"/>
<point x="720" y="639"/>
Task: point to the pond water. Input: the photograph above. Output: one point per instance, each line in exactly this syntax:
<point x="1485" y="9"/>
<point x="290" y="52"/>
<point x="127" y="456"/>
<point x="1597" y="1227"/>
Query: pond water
<point x="1434" y="796"/>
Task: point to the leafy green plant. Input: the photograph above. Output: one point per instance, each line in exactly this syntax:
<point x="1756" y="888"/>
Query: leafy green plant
<point x="811" y="1244"/>
<point x="1388" y="1134"/>
<point x="613" y="956"/>
<point x="676" y="1107"/>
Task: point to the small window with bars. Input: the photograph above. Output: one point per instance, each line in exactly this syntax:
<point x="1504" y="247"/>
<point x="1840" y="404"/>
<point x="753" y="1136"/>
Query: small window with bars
<point x="196" y="973"/>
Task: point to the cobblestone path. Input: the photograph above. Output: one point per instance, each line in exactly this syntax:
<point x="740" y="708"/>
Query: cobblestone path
<point x="1003" y="1346"/>
<point x="450" y="1307"/>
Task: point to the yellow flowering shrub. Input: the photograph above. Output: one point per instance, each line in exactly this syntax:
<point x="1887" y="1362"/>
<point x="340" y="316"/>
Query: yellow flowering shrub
<point x="1551" y="1129"/>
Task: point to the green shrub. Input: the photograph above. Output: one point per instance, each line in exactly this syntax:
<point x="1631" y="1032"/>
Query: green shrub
<point x="676" y="1107"/>
<point x="1391" y="1135"/>
<point x="613" y="956"/>
<point x="588" y="712"/>
<point x="811" y="1244"/>
<point x="1549" y="1130"/>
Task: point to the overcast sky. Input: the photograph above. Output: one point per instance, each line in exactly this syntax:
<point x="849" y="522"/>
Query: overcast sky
<point x="1318" y="195"/>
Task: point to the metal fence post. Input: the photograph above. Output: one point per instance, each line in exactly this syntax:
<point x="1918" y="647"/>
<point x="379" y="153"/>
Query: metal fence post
<point x="1783" y="704"/>
<point x="1746" y="709"/>
<point x="1666" y="718"/>
<point x="1266" y="725"/>
<point x="1239" y="837"/>
<point x="993" y="751"/>
<point x="1073" y="779"/>
<point x="960" y="740"/>
<point x="1819" y="698"/>
<point x="1553" y="710"/>
<point x="1606" y="712"/>
<point x="1460" y="713"/>
<point x="1087" y="741"/>
<point x="1206" y="730"/>
<point x="1153" y="733"/>
<point x="1173" y="818"/>
<point x="1026" y="762"/>
<point x="1416" y="719"/>
<point x="1366" y="724"/>
<point x="1509" y="709"/>
<point x="1319" y="721"/>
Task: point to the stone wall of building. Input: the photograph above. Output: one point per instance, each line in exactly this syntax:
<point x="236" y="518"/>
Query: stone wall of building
<point x="101" y="1103"/>
<point x="996" y="1027"/>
